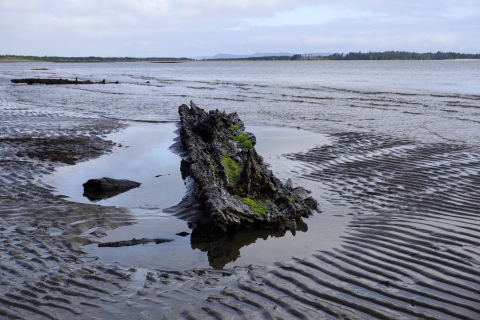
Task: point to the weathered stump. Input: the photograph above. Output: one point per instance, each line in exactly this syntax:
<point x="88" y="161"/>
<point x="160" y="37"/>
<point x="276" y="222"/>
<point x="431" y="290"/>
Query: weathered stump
<point x="231" y="179"/>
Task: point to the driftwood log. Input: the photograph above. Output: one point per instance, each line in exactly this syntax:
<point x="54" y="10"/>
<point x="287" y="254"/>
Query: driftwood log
<point x="133" y="242"/>
<point x="57" y="81"/>
<point x="231" y="179"/>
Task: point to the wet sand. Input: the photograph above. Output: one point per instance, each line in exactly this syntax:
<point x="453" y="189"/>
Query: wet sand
<point x="410" y="247"/>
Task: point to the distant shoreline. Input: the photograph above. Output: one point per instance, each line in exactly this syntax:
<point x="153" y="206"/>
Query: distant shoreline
<point x="11" y="58"/>
<point x="351" y="56"/>
<point x="223" y="60"/>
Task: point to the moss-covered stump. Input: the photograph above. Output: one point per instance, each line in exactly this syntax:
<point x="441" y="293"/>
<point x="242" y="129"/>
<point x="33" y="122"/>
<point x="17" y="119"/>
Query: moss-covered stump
<point x="231" y="179"/>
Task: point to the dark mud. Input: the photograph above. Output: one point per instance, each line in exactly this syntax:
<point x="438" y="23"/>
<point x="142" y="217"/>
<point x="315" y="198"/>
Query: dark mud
<point x="68" y="150"/>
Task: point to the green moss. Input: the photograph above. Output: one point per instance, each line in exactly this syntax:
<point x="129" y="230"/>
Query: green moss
<point x="234" y="127"/>
<point x="292" y="199"/>
<point x="232" y="168"/>
<point x="255" y="206"/>
<point x="243" y="141"/>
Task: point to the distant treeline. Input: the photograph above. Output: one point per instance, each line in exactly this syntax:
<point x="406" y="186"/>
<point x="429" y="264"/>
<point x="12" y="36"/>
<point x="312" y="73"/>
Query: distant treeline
<point x="387" y="55"/>
<point x="87" y="59"/>
<point x="401" y="55"/>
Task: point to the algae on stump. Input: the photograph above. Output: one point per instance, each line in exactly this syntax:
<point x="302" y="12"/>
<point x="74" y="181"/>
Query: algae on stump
<point x="256" y="206"/>
<point x="231" y="169"/>
<point x="243" y="140"/>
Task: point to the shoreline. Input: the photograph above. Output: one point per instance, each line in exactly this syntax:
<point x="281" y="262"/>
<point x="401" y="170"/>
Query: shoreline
<point x="231" y="60"/>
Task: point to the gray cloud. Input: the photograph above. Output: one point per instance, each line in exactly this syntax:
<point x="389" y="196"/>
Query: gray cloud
<point x="196" y="27"/>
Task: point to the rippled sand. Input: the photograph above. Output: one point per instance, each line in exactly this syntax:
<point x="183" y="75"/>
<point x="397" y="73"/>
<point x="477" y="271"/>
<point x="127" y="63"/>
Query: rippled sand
<point x="410" y="249"/>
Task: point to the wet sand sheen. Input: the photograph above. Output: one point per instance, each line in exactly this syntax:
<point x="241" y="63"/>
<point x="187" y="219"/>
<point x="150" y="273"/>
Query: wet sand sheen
<point x="410" y="250"/>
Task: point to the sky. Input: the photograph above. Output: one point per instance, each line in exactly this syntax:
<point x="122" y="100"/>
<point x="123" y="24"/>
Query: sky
<point x="189" y="28"/>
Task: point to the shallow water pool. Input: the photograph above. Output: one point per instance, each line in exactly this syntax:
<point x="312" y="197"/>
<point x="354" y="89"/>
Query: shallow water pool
<point x="144" y="155"/>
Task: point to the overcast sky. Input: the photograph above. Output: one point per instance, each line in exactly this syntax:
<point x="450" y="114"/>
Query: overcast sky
<point x="179" y="28"/>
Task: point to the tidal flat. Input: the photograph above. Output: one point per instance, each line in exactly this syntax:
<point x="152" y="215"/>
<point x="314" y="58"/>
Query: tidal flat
<point x="390" y="151"/>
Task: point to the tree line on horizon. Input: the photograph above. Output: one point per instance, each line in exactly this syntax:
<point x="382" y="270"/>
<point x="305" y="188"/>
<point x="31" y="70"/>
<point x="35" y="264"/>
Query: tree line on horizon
<point x="89" y="59"/>
<point x="386" y="55"/>
<point x="401" y="55"/>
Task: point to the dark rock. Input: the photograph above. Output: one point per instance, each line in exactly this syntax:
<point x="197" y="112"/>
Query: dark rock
<point x="231" y="179"/>
<point x="182" y="234"/>
<point x="108" y="184"/>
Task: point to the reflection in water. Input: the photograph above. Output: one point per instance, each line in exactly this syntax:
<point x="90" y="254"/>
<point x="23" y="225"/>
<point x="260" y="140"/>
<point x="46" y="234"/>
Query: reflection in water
<point x="94" y="197"/>
<point x="141" y="155"/>
<point x="223" y="248"/>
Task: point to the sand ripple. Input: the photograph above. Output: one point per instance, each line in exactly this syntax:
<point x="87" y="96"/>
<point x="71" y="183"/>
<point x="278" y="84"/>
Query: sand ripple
<point x="412" y="249"/>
